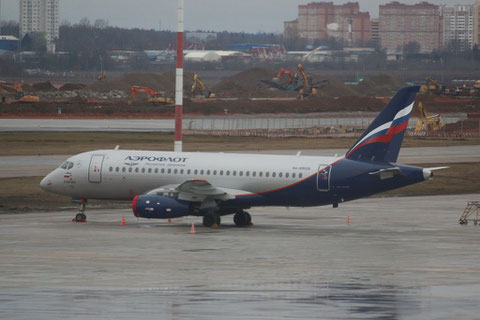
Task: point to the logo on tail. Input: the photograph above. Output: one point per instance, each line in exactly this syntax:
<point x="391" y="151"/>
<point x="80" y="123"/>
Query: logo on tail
<point x="382" y="140"/>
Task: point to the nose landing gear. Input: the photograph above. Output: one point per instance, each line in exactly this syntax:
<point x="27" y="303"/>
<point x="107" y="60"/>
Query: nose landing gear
<point x="80" y="216"/>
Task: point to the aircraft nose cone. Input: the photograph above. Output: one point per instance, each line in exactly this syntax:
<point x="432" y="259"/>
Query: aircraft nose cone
<point x="45" y="183"/>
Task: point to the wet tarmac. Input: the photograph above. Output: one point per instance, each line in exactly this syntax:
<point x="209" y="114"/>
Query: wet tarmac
<point x="399" y="258"/>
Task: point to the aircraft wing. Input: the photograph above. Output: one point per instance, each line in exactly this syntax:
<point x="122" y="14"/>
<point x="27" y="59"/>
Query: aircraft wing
<point x="198" y="191"/>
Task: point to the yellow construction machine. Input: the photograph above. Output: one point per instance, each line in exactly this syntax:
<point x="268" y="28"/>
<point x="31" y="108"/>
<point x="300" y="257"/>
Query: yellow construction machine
<point x="102" y="76"/>
<point x="307" y="88"/>
<point x="199" y="88"/>
<point x="432" y="86"/>
<point x="427" y="122"/>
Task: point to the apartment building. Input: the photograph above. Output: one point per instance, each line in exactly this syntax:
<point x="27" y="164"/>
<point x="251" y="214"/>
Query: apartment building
<point x="322" y="20"/>
<point x="458" y="26"/>
<point x="401" y="23"/>
<point x="40" y="16"/>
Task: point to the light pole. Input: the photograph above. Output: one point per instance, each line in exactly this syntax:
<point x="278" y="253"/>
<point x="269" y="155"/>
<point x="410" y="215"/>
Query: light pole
<point x="179" y="81"/>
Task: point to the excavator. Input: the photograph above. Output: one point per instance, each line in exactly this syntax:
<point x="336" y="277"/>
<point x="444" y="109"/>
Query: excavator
<point x="290" y="73"/>
<point x="298" y="81"/>
<point x="427" y="122"/>
<point x="432" y="86"/>
<point x="199" y="86"/>
<point x="102" y="76"/>
<point x="16" y="92"/>
<point x="307" y="88"/>
<point x="155" y="97"/>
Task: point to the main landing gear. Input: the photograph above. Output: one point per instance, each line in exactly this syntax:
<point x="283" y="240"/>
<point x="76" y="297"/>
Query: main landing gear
<point x="211" y="219"/>
<point x="242" y="218"/>
<point x="80" y="216"/>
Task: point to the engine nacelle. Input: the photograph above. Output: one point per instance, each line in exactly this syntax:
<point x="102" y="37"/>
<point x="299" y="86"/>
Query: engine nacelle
<point x="159" y="207"/>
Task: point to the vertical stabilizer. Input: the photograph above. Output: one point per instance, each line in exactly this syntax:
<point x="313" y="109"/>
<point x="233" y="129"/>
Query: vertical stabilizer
<point x="382" y="140"/>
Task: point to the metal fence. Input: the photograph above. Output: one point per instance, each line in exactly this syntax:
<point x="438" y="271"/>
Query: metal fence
<point x="282" y="123"/>
<point x="316" y="128"/>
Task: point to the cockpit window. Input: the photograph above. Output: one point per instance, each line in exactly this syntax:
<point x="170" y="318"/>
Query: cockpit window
<point x="67" y="165"/>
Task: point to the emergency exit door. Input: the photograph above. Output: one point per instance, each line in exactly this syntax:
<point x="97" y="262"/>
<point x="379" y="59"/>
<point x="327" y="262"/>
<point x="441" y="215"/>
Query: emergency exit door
<point x="95" y="169"/>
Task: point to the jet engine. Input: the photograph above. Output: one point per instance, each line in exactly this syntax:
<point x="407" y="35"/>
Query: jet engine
<point x="159" y="207"/>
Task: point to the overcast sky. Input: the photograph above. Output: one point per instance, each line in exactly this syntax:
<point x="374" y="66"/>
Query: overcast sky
<point x="216" y="15"/>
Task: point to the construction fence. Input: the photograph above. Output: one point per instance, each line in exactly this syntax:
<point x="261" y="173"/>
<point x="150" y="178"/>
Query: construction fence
<point x="320" y="128"/>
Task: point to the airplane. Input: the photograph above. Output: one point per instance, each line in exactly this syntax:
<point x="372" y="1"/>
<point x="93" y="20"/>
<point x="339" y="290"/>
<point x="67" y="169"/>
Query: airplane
<point x="166" y="185"/>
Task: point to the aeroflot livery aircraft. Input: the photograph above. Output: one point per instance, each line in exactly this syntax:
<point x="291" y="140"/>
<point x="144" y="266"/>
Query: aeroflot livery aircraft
<point x="169" y="185"/>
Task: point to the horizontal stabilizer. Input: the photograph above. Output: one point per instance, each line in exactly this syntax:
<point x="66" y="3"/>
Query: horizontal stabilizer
<point x="437" y="168"/>
<point x="387" y="173"/>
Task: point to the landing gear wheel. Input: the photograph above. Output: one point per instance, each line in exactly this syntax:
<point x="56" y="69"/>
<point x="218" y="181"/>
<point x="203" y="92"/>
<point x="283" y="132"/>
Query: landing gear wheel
<point x="211" y="219"/>
<point x="242" y="219"/>
<point x="80" y="217"/>
<point x="249" y="218"/>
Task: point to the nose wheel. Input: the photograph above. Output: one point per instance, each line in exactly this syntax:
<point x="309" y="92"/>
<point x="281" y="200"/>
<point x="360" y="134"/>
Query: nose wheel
<point x="80" y="216"/>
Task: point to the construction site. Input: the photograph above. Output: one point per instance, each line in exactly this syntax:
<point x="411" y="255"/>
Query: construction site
<point x="260" y="91"/>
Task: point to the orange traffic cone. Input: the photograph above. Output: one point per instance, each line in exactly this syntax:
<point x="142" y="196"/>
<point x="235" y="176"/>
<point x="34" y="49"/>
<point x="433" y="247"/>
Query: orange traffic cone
<point x="192" y="230"/>
<point x="348" y="220"/>
<point x="123" y="221"/>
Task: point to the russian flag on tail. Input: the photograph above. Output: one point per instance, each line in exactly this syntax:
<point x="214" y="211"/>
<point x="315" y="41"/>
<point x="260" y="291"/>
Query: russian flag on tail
<point x="382" y="140"/>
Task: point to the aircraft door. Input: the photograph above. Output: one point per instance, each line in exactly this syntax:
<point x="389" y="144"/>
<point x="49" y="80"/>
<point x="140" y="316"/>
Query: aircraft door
<point x="95" y="168"/>
<point x="323" y="178"/>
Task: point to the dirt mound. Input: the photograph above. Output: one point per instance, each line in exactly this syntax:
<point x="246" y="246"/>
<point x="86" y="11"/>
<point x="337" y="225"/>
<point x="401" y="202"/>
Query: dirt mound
<point x="43" y="86"/>
<point x="248" y="84"/>
<point x="336" y="88"/>
<point x="158" y="82"/>
<point x="27" y="87"/>
<point x="379" y="85"/>
<point x="72" y="86"/>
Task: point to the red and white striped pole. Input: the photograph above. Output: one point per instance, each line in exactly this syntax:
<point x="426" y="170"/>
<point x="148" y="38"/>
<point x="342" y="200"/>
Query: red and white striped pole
<point x="179" y="81"/>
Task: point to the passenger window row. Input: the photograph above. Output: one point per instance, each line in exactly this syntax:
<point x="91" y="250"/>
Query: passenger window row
<point x="202" y="172"/>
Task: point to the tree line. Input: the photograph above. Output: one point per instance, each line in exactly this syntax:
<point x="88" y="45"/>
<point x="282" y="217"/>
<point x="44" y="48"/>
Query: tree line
<point x="88" y="46"/>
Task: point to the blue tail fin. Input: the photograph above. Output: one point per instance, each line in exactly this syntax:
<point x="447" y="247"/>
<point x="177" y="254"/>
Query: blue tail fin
<point x="382" y="140"/>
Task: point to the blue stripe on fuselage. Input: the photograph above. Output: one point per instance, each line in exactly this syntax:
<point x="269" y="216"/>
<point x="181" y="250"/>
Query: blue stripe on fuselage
<point x="350" y="180"/>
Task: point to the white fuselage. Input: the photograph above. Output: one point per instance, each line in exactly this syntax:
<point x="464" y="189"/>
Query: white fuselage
<point x="122" y="174"/>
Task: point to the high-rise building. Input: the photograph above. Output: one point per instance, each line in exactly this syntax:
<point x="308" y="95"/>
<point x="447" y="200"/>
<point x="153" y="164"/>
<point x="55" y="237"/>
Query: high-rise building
<point x="476" y="23"/>
<point x="322" y="20"/>
<point x="40" y="16"/>
<point x="401" y="24"/>
<point x="374" y="24"/>
<point x="458" y="26"/>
